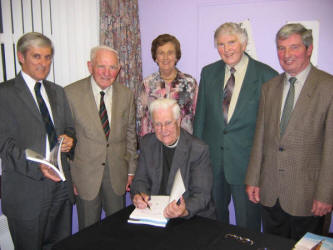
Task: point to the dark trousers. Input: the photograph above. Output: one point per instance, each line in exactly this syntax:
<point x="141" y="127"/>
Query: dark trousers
<point x="53" y="224"/>
<point x="278" y="222"/>
<point x="247" y="213"/>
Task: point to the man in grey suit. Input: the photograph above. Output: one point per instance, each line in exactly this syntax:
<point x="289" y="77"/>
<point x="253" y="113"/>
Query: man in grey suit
<point x="105" y="154"/>
<point x="225" y="119"/>
<point x="290" y="170"/>
<point x="164" y="152"/>
<point x="34" y="114"/>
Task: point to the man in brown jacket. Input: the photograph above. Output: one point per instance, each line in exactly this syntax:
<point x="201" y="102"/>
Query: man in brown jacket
<point x="290" y="170"/>
<point x="105" y="154"/>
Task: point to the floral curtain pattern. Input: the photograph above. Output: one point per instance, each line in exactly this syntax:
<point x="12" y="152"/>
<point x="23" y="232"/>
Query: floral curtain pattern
<point x="119" y="29"/>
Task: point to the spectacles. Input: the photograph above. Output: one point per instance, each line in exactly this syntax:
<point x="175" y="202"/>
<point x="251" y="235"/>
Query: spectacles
<point x="166" y="125"/>
<point x="239" y="238"/>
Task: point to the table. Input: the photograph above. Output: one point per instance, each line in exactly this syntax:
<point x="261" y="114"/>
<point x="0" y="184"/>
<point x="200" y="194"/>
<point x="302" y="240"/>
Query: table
<point x="197" y="233"/>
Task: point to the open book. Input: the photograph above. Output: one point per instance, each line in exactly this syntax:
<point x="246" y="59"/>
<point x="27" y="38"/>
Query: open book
<point x="52" y="159"/>
<point x="154" y="215"/>
<point x="312" y="241"/>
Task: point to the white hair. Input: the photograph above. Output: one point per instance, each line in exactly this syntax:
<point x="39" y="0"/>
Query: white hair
<point x="165" y="103"/>
<point x="94" y="50"/>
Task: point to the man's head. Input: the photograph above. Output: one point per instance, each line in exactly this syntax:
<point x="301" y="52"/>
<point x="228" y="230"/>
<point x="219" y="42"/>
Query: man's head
<point x="230" y="40"/>
<point x="165" y="114"/>
<point x="294" y="47"/>
<point x="35" y="53"/>
<point x="104" y="65"/>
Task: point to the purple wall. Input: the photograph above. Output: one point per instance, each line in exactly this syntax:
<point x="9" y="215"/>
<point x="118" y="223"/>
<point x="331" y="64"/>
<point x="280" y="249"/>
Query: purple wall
<point x="193" y="22"/>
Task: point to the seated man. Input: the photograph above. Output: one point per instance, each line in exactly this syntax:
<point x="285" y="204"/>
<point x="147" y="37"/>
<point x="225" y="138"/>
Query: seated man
<point x="162" y="153"/>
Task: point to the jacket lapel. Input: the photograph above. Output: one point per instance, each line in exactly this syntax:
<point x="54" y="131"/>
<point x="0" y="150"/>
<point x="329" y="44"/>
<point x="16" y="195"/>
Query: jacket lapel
<point x="25" y="95"/>
<point x="303" y="101"/>
<point x="248" y="89"/>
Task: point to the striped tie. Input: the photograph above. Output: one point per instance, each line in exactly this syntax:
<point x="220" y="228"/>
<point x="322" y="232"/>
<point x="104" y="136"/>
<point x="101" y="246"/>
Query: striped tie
<point x="227" y="94"/>
<point x="49" y="127"/>
<point x="104" y="116"/>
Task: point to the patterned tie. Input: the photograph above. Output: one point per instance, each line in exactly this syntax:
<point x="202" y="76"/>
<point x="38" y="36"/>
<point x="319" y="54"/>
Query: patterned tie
<point x="227" y="94"/>
<point x="288" y="105"/>
<point x="104" y="116"/>
<point x="51" y="133"/>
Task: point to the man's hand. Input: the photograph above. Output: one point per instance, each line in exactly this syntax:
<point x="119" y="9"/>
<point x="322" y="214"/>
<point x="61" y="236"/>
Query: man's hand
<point x="141" y="200"/>
<point x="253" y="193"/>
<point x="173" y="210"/>
<point x="75" y="190"/>
<point x="67" y="143"/>
<point x="129" y="182"/>
<point x="320" y="208"/>
<point x="49" y="173"/>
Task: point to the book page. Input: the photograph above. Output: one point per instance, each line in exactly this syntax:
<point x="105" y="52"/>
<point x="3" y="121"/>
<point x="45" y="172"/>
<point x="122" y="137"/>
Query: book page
<point x="178" y="187"/>
<point x="155" y="213"/>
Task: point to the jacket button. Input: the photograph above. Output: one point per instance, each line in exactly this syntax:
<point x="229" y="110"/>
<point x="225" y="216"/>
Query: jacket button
<point x="281" y="149"/>
<point x="103" y="164"/>
<point x="225" y="132"/>
<point x="107" y="145"/>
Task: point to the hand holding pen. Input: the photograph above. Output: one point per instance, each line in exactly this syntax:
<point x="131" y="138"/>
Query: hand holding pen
<point x="140" y="200"/>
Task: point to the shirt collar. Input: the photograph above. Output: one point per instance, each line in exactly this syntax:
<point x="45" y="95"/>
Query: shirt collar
<point x="301" y="77"/>
<point x="241" y="64"/>
<point x="97" y="89"/>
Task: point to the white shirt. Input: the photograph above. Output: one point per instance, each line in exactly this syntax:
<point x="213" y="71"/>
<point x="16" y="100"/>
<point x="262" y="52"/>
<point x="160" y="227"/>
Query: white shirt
<point x="107" y="97"/>
<point x="31" y="85"/>
<point x="300" y="80"/>
<point x="239" y="74"/>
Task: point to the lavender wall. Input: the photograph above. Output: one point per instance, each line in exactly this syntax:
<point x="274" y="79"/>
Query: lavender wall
<point x="193" y="22"/>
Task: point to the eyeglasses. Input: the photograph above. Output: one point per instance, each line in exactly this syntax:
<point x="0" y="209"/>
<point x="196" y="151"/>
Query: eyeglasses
<point x="166" y="125"/>
<point x="239" y="238"/>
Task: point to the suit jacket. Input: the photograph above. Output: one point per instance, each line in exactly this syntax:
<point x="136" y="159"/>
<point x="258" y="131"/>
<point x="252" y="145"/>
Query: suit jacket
<point x="296" y="168"/>
<point x="192" y="157"/>
<point x="229" y="144"/>
<point x="93" y="153"/>
<point x="24" y="187"/>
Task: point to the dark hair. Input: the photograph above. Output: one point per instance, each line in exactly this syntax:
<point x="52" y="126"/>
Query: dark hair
<point x="163" y="39"/>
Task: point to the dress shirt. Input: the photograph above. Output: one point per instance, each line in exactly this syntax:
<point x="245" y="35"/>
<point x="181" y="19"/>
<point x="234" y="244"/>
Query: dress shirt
<point x="107" y="97"/>
<point x="240" y="68"/>
<point x="31" y="85"/>
<point x="300" y="80"/>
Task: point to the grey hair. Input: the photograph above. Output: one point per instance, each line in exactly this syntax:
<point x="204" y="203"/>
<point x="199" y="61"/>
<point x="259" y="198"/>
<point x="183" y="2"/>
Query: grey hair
<point x="33" y="39"/>
<point x="231" y="29"/>
<point x="165" y="103"/>
<point x="94" y="50"/>
<point x="295" y="28"/>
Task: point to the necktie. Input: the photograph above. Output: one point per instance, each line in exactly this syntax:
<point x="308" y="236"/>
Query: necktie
<point x="288" y="105"/>
<point x="104" y="116"/>
<point x="227" y="94"/>
<point x="51" y="133"/>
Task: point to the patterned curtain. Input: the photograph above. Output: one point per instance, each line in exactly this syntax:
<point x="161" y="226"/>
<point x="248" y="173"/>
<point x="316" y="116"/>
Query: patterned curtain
<point x="119" y="29"/>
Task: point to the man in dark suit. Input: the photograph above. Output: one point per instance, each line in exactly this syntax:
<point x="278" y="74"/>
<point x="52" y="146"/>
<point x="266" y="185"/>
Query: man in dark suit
<point x="225" y="119"/>
<point x="105" y="159"/>
<point x="290" y="169"/>
<point x="34" y="114"/>
<point x="164" y="152"/>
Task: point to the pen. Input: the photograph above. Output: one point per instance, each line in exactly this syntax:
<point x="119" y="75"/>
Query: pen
<point x="144" y="201"/>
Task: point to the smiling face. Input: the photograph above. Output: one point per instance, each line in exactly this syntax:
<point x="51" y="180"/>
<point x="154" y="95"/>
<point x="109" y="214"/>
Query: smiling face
<point x="230" y="48"/>
<point x="104" y="68"/>
<point x="36" y="62"/>
<point x="166" y="57"/>
<point x="167" y="128"/>
<point x="293" y="56"/>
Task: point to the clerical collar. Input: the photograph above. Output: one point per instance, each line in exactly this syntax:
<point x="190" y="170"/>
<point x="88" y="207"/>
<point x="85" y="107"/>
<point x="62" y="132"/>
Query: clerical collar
<point x="173" y="145"/>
